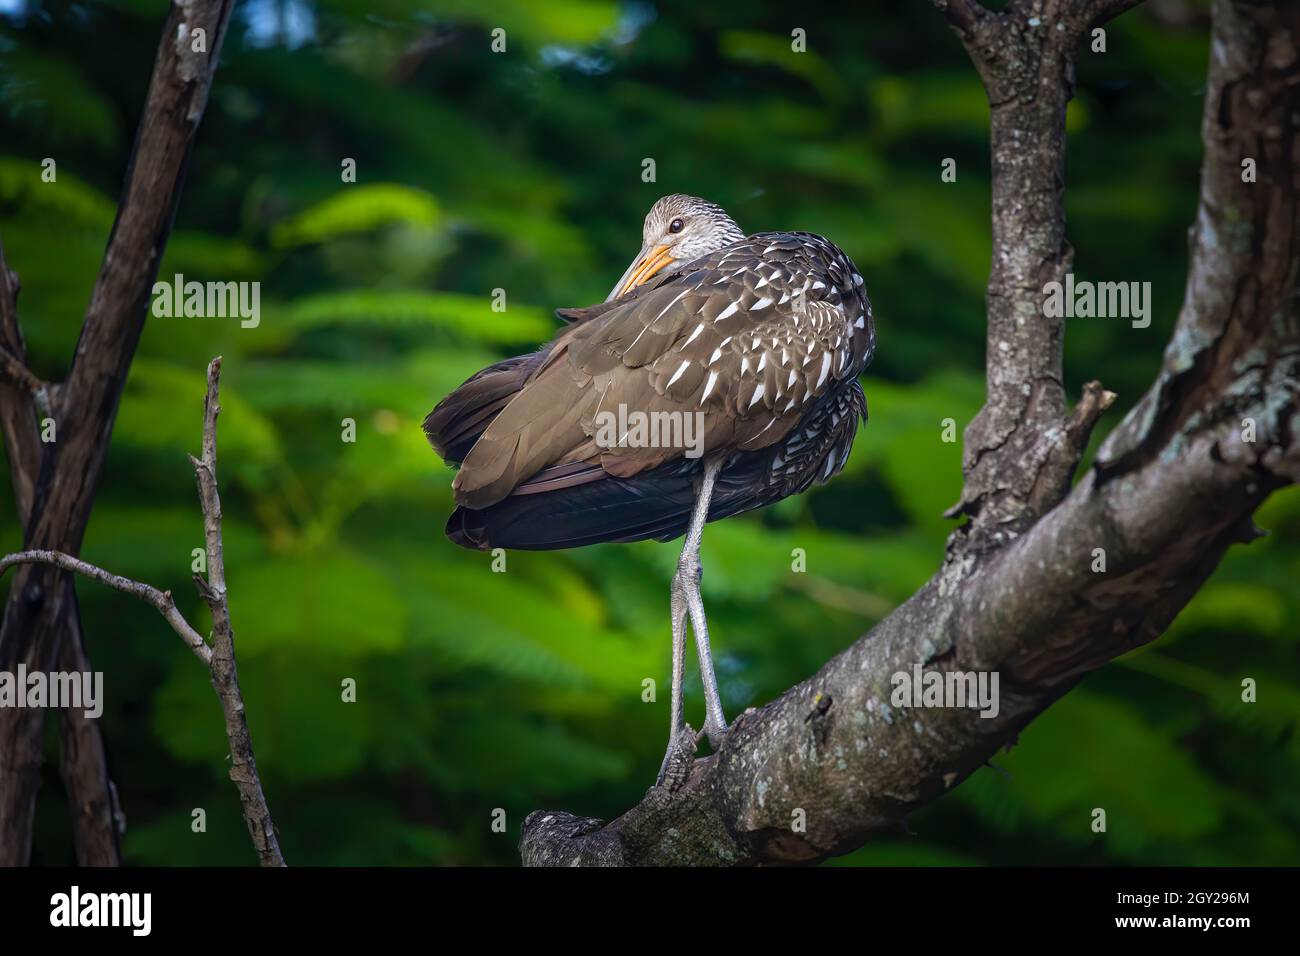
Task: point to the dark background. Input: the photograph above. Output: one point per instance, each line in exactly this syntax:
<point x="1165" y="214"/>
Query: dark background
<point x="522" y="171"/>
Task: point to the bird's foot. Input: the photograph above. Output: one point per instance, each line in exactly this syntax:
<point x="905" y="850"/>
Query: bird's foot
<point x="678" y="759"/>
<point x="716" y="731"/>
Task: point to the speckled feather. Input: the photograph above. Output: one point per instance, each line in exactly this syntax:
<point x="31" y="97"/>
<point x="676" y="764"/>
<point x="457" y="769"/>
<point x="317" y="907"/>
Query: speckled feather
<point x="765" y="337"/>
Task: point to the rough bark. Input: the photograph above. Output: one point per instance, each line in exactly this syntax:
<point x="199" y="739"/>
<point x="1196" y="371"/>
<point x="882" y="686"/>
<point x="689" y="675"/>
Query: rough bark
<point x="219" y="658"/>
<point x="18" y="407"/>
<point x="57" y="481"/>
<point x="97" y="820"/>
<point x="24" y="400"/>
<point x="1017" y="461"/>
<point x="1173" y="487"/>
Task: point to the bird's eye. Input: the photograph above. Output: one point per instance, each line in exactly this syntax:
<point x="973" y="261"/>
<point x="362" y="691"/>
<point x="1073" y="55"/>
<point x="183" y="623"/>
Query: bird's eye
<point x="676" y="226"/>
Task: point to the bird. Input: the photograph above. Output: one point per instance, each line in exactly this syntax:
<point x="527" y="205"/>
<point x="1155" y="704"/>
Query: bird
<point x="749" y="346"/>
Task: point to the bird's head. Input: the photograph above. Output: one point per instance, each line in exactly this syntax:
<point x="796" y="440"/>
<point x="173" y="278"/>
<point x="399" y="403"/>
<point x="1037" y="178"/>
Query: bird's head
<point x="678" y="229"/>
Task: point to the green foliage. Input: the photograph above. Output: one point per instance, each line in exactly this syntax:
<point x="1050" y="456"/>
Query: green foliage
<point x="751" y="47"/>
<point x="72" y="205"/>
<point x="358" y="210"/>
<point x="48" y="94"/>
<point x="1089" y="752"/>
<point x="522" y="171"/>
<point x="466" y="317"/>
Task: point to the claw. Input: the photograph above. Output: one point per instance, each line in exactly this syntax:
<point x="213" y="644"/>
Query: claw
<point x="678" y="759"/>
<point x="716" y="734"/>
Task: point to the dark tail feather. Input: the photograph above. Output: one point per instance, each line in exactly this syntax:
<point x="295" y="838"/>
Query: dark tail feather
<point x="612" y="509"/>
<point x="656" y="504"/>
<point x="461" y="417"/>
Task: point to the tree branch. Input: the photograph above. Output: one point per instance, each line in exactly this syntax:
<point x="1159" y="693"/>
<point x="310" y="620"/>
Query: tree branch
<point x="1027" y="65"/>
<point x="161" y="600"/>
<point x="116" y="315"/>
<point x="17" y="372"/>
<point x="963" y="16"/>
<point x="92" y="798"/>
<point x="225" y="676"/>
<point x="1176" y="485"/>
<point x="17" y="406"/>
<point x="55" y="483"/>
<point x="219" y="659"/>
<point x="97" y="819"/>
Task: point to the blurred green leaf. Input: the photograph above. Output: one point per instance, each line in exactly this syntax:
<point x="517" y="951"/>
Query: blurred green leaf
<point x="1087" y="753"/>
<point x="358" y="209"/>
<point x="467" y="317"/>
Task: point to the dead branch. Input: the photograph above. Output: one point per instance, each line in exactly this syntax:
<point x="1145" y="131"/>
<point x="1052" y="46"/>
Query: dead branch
<point x="55" y="483"/>
<point x="161" y="600"/>
<point x="219" y="658"/>
<point x="225" y="676"/>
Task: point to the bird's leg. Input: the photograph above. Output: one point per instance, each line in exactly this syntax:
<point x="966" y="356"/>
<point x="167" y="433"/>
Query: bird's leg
<point x="679" y="657"/>
<point x="677" y="730"/>
<point x="686" y="599"/>
<point x="689" y="571"/>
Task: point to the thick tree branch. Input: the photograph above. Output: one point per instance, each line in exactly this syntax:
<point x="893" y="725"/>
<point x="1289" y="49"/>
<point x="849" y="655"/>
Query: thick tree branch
<point x="92" y="798"/>
<point x="118" y="305"/>
<point x="97" y="818"/>
<point x="1177" y="484"/>
<point x="1027" y="64"/>
<point x="1026" y="57"/>
<point x="219" y="659"/>
<point x="1241" y="280"/>
<point x="56" y="487"/>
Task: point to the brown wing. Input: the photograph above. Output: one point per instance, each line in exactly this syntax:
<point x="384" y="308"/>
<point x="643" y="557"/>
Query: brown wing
<point x="731" y="352"/>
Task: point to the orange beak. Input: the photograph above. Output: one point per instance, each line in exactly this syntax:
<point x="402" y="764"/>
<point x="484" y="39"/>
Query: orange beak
<point x="648" y="263"/>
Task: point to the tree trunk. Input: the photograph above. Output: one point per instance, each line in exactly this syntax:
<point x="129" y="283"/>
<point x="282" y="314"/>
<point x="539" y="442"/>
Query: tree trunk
<point x="57" y="481"/>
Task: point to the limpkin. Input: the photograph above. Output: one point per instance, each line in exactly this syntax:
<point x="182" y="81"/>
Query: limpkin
<point x="763" y="336"/>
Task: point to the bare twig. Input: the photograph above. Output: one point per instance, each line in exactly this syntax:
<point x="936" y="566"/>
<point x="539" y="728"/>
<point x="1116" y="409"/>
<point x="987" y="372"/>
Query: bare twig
<point x="225" y="676"/>
<point x="219" y="658"/>
<point x="161" y="600"/>
<point x="17" y="372"/>
<point x="1096" y="399"/>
